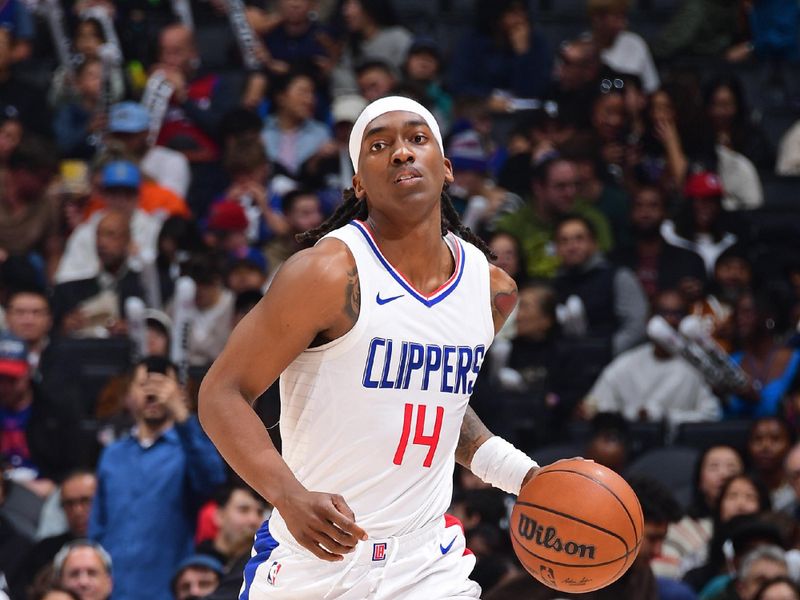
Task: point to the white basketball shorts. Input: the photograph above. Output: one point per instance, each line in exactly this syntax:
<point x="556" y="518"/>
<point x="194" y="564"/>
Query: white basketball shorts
<point x="432" y="563"/>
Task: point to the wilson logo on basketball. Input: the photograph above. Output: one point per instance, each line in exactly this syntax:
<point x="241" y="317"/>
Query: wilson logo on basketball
<point x="547" y="537"/>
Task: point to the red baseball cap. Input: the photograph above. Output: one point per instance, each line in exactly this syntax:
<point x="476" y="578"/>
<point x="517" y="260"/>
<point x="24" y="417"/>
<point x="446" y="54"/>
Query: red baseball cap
<point x="703" y="185"/>
<point x="13" y="356"/>
<point x="227" y="216"/>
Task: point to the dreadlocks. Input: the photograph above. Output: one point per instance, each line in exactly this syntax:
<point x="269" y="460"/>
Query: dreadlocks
<point x="353" y="208"/>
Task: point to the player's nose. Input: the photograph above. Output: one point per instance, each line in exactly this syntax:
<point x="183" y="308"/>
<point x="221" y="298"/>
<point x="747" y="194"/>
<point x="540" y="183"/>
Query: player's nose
<point x="402" y="154"/>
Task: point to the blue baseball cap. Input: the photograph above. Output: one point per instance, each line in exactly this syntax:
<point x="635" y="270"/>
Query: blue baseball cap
<point x="121" y="174"/>
<point x="13" y="356"/>
<point x="128" y="117"/>
<point x="201" y="561"/>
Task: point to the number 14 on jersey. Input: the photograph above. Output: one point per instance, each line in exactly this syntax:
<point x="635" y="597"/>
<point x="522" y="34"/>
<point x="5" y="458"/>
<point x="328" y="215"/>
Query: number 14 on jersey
<point x="420" y="439"/>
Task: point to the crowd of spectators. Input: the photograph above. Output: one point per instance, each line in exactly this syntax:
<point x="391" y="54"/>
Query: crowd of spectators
<point x="633" y="165"/>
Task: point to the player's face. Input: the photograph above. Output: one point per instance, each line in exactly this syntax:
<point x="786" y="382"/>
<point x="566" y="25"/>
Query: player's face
<point x="401" y="168"/>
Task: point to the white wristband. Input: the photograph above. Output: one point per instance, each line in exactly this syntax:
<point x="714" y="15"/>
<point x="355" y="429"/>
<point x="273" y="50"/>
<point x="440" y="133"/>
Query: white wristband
<point x="501" y="465"/>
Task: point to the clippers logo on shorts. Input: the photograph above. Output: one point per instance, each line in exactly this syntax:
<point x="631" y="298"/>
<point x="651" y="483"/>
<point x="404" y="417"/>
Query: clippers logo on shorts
<point x="547" y="537"/>
<point x="379" y="552"/>
<point x="272" y="574"/>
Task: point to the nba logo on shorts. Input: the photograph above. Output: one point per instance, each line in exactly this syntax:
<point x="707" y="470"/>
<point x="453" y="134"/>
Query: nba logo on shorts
<point x="272" y="574"/>
<point x="379" y="551"/>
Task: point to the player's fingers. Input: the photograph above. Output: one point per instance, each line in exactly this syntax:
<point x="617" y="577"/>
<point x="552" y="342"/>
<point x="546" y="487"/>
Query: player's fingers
<point x="330" y="541"/>
<point x="346" y="518"/>
<point x="312" y="546"/>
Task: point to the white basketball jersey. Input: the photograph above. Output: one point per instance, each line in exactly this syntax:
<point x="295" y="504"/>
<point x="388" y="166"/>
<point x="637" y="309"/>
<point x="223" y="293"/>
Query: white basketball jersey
<point x="375" y="415"/>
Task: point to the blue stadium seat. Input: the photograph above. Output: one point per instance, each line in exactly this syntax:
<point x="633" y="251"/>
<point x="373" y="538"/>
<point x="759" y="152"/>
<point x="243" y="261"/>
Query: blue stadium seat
<point x="781" y="192"/>
<point x="548" y="454"/>
<point x="776" y="123"/>
<point x="673" y="467"/>
<point x="703" y="435"/>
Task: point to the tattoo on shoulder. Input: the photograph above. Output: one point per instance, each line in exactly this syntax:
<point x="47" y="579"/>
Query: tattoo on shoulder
<point x="352" y="295"/>
<point x="503" y="302"/>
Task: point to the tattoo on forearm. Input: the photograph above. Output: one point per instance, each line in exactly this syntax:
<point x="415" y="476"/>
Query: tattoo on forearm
<point x="352" y="295"/>
<point x="473" y="434"/>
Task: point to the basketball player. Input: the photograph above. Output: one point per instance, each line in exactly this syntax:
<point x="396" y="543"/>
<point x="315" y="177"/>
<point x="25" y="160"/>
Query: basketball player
<point x="378" y="333"/>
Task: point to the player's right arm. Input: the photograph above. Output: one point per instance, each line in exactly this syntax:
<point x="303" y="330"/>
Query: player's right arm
<point x="314" y="296"/>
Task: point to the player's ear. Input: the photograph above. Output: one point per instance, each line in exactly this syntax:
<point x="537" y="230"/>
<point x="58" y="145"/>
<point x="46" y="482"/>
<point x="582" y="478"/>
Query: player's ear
<point x="358" y="187"/>
<point x="448" y="171"/>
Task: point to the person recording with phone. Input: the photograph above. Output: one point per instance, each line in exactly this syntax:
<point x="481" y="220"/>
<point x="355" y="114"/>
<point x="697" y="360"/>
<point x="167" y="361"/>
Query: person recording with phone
<point x="151" y="484"/>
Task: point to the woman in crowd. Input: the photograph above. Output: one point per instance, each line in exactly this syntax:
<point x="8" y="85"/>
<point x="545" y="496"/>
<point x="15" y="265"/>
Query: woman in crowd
<point x="740" y="495"/>
<point x="771" y="365"/>
<point x="780" y="588"/>
<point x="79" y="123"/>
<point x="769" y="442"/>
<point x="372" y="33"/>
<point x="728" y="114"/>
<point x="686" y="544"/>
<point x="701" y="225"/>
<point x="291" y="135"/>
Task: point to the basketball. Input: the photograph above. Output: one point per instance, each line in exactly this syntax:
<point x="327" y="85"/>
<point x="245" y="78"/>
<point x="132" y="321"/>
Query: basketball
<point x="577" y="526"/>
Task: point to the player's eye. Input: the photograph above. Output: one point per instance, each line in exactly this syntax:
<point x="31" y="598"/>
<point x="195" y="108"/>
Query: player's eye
<point x="377" y="146"/>
<point x="419" y="138"/>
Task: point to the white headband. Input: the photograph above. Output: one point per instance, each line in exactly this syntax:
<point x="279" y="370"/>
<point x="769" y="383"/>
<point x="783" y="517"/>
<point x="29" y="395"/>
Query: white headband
<point x="381" y="107"/>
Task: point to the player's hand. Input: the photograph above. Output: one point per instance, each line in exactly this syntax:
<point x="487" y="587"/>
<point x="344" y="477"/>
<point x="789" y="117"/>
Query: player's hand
<point x="323" y="524"/>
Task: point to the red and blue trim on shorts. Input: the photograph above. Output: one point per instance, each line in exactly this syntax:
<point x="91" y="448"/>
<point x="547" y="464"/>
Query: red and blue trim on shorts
<point x="264" y="545"/>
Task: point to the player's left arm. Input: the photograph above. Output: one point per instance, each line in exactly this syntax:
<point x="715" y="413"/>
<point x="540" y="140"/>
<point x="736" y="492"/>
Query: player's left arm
<point x="503" y="291"/>
<point x="499" y="463"/>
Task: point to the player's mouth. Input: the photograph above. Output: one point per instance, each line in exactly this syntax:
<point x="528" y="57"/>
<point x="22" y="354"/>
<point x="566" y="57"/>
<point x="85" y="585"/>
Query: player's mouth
<point x="407" y="176"/>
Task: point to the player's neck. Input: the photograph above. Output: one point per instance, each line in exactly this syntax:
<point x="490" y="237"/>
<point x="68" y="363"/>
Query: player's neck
<point x="416" y="250"/>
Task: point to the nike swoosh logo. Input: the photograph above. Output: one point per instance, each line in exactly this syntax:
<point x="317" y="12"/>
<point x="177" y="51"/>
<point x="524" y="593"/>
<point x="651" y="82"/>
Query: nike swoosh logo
<point x="446" y="549"/>
<point x="383" y="301"/>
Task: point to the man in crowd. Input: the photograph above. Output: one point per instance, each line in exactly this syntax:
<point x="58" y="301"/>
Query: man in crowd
<point x="554" y="187"/>
<point x="240" y="512"/>
<point x="197" y="577"/>
<point x="29" y="218"/>
<point x="657" y="264"/>
<point x="76" y="492"/>
<point x="129" y="123"/>
<point x="612" y="299"/>
<point x="626" y="386"/>
<point x="120" y="181"/>
<point x="659" y="508"/>
<point x="84" y="568"/>
<point x="303" y="212"/>
<point x="28" y="316"/>
<point x="37" y="436"/>
<point x="151" y="484"/>
<point x="94" y="306"/>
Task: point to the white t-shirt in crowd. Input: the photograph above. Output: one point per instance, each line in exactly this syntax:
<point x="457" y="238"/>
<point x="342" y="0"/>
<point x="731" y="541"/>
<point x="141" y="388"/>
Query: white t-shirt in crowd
<point x="169" y="168"/>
